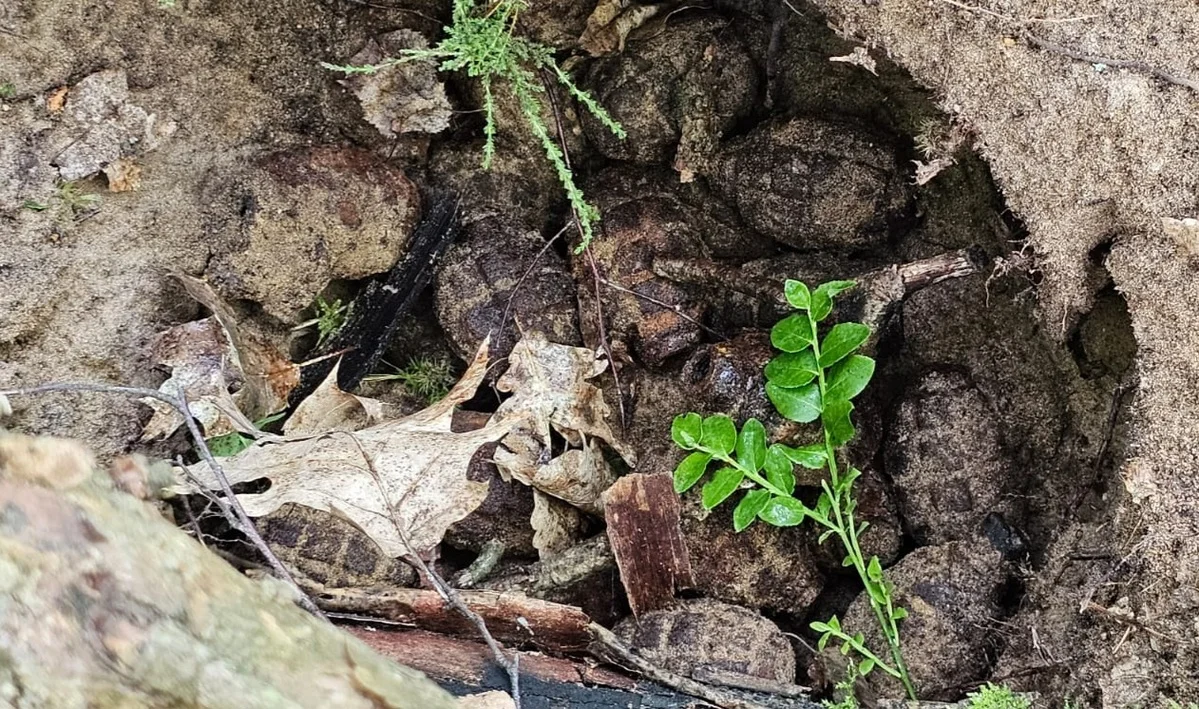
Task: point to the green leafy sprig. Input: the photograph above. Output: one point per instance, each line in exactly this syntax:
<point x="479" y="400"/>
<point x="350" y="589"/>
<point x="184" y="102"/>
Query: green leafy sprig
<point x="483" y="45"/>
<point x="815" y="378"/>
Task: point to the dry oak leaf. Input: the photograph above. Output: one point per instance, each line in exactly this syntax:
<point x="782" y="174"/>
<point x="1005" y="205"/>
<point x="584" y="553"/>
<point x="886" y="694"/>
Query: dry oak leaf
<point x="328" y="409"/>
<point x="610" y="24"/>
<point x="551" y="392"/>
<point x="401" y="482"/>
<point x="556" y="525"/>
<point x="549" y="387"/>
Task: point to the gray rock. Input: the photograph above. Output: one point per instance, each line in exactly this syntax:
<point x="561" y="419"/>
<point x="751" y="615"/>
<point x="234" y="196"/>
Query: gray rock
<point x="104" y="126"/>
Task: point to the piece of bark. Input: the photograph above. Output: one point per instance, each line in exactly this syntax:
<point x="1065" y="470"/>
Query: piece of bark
<point x="102" y="600"/>
<point x="469" y="661"/>
<point x="642" y="512"/>
<point x="466" y="667"/>
<point x="512" y="618"/>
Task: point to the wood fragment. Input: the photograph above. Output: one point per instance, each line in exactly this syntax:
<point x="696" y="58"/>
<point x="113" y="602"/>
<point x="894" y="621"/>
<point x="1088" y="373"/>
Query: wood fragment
<point x="511" y="617"/>
<point x="642" y="513"/>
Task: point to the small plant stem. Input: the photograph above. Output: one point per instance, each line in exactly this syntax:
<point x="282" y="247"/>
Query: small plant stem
<point x="866" y="652"/>
<point x="751" y="474"/>
<point x="849" y="538"/>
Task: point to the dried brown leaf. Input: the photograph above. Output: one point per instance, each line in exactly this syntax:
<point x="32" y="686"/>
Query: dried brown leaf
<point x="610" y="24"/>
<point x="578" y="476"/>
<point x="409" y="474"/>
<point x="268" y="375"/>
<point x="328" y="409"/>
<point x="550" y="390"/>
<point x="197" y="354"/>
<point x="123" y="175"/>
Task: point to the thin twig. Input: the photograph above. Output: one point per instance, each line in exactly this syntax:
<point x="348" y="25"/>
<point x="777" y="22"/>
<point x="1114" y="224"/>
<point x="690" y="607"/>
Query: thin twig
<point x="510" y="664"/>
<point x="1009" y="18"/>
<point x="1117" y="63"/>
<point x="599" y="308"/>
<point x="1134" y="65"/>
<point x="238" y="516"/>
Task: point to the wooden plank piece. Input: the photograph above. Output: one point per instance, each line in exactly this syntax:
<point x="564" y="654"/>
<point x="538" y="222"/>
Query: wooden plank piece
<point x="642" y="512"/>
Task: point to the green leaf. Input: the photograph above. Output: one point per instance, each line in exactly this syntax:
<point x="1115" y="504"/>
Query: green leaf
<point x="779" y="470"/>
<point x="792" y="369"/>
<point x="834" y="624"/>
<point x="823" y="641"/>
<point x="848" y="377"/>
<point x="847" y="480"/>
<point x="751" y="445"/>
<point x="797" y="294"/>
<point x="690" y="470"/>
<point x="747" y="510"/>
<point x="819" y="626"/>
<point x="825" y="504"/>
<point x="822" y="297"/>
<point x="722" y="484"/>
<point x="718" y="434"/>
<point x="802" y="404"/>
<point x="685" y="430"/>
<point x="845" y="648"/>
<point x="828" y="533"/>
<point x="836" y="421"/>
<point x="899" y="613"/>
<point x="811" y="456"/>
<point x="866" y="666"/>
<point x="783" y="511"/>
<point x="228" y="445"/>
<point x="874" y="570"/>
<point x="792" y="334"/>
<point x="847" y="562"/>
<point x="841" y="341"/>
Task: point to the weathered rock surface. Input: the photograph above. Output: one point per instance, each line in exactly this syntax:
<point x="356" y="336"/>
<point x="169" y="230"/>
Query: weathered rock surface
<point x="683" y="88"/>
<point x="762" y="567"/>
<point x="646" y="314"/>
<point x="707" y="633"/>
<point x="952" y="594"/>
<point x="296" y="219"/>
<point x="814" y="184"/>
<point x="945" y="456"/>
<point x="480" y="283"/>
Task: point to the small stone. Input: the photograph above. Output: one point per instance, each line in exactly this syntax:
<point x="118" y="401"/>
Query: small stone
<point x="290" y="222"/>
<point x="951" y="593"/>
<point x="946" y="459"/>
